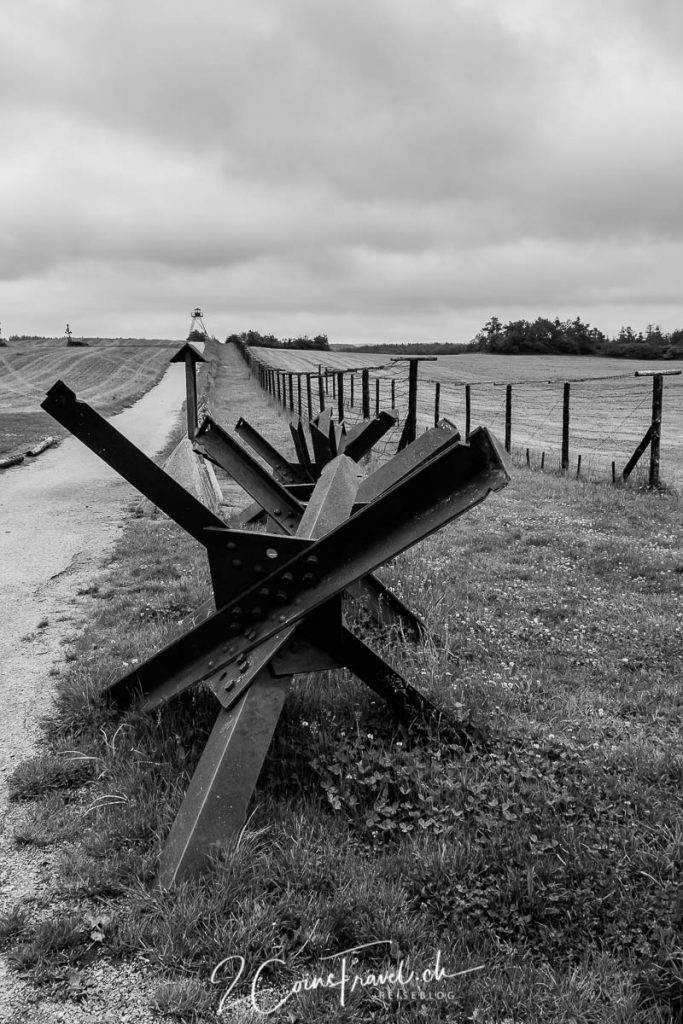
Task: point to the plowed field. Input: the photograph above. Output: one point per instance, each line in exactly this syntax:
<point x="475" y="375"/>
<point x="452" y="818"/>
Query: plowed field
<point x="109" y="375"/>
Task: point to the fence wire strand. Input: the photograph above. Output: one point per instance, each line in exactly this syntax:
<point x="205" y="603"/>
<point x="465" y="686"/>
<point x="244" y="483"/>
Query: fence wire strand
<point x="609" y="414"/>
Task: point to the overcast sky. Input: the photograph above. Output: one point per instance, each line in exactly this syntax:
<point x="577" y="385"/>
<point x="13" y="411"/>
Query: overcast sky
<point x="380" y="170"/>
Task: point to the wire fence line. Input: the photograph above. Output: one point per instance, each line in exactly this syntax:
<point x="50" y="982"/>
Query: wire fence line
<point x="586" y="425"/>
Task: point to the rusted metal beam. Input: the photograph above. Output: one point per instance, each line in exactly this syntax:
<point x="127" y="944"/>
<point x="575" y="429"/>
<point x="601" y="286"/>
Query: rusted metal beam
<point x="364" y="435"/>
<point x="410" y="511"/>
<point x="301" y="449"/>
<point x="129" y="462"/>
<point x="225" y="451"/>
<point x="216" y="802"/>
<point x="287" y="472"/>
<point x="275" y="501"/>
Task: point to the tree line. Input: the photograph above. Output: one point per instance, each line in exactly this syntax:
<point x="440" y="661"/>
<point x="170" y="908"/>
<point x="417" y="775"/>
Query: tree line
<point x="255" y="340"/>
<point x="546" y="337"/>
<point x="573" y="337"/>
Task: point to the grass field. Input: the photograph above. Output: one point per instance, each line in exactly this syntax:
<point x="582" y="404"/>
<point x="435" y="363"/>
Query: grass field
<point x="548" y="854"/>
<point x="608" y="416"/>
<point x="110" y="375"/>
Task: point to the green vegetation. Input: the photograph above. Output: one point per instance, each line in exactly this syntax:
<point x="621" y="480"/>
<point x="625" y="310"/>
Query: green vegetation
<point x="573" y="337"/>
<point x="545" y="337"/>
<point x="549" y="851"/>
<point x="252" y="339"/>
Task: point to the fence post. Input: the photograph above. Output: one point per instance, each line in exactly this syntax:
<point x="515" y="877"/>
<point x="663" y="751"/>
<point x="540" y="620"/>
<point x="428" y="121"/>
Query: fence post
<point x="291" y="391"/>
<point x="340" y="395"/>
<point x="298" y="387"/>
<point x="655" y="443"/>
<point x="309" y="397"/>
<point x="190" y="356"/>
<point x="334" y="385"/>
<point x="377" y="396"/>
<point x="653" y="436"/>
<point x="565" y="427"/>
<point x="365" y="388"/>
<point x="468" y="410"/>
<point x="508" y="416"/>
<point x="393" y="392"/>
<point x="321" y="391"/>
<point x="437" y="399"/>
<point x="410" y="423"/>
<point x="351" y="376"/>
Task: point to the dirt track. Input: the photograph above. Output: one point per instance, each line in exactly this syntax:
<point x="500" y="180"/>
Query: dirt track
<point x="58" y="516"/>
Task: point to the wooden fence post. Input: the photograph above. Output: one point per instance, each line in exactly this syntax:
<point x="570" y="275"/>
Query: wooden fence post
<point x="321" y="391"/>
<point x="437" y="398"/>
<point x="410" y="423"/>
<point x="565" y="427"/>
<point x="468" y="410"/>
<point x="309" y="397"/>
<point x="653" y="437"/>
<point x="298" y="387"/>
<point x="393" y="392"/>
<point x="340" y="396"/>
<point x="655" y="441"/>
<point x="377" y="396"/>
<point x="508" y="416"/>
<point x="351" y="376"/>
<point x="291" y="391"/>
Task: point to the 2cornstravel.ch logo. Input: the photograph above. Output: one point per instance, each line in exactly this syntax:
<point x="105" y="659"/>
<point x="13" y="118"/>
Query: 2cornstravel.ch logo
<point x="269" y="992"/>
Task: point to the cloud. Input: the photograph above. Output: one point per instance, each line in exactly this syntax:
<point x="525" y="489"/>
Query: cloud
<point x="302" y="159"/>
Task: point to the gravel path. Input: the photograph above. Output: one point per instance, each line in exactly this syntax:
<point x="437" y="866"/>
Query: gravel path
<point x="58" y="517"/>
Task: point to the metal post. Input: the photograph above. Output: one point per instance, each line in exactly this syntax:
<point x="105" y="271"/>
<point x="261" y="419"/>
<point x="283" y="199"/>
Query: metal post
<point x="565" y="427"/>
<point x="190" y="356"/>
<point x="191" y="395"/>
<point x="365" y="388"/>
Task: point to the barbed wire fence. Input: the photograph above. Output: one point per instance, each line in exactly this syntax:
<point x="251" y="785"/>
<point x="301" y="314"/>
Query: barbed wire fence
<point x="592" y="427"/>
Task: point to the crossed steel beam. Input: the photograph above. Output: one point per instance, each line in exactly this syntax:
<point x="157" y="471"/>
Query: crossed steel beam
<point x="328" y="439"/>
<point x="278" y="595"/>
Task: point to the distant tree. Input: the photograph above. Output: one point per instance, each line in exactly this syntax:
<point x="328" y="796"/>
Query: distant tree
<point x="253" y="339"/>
